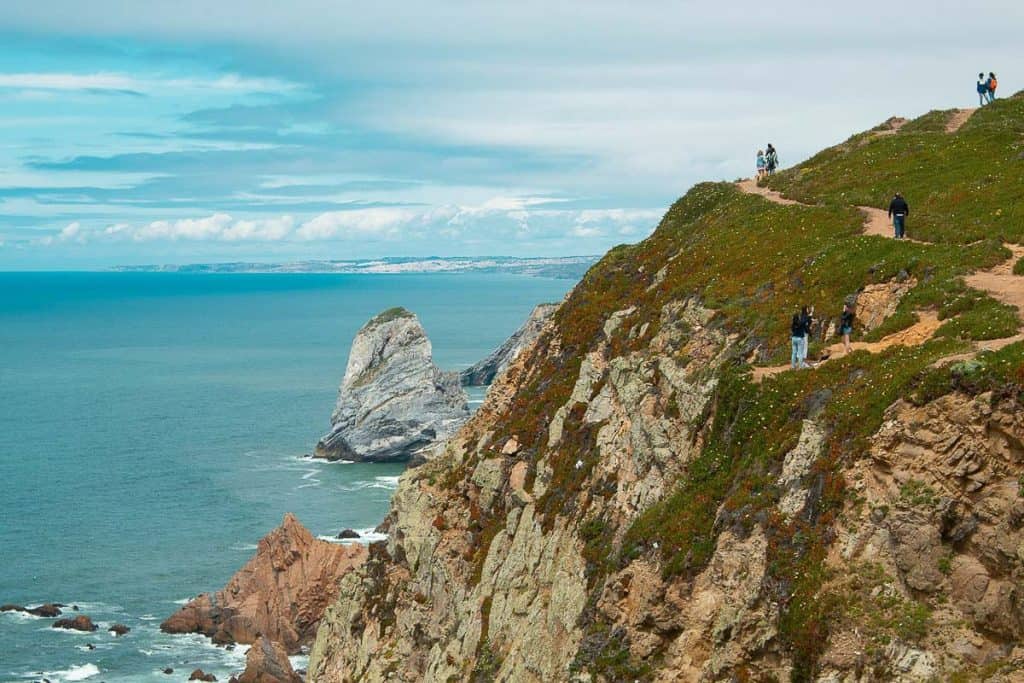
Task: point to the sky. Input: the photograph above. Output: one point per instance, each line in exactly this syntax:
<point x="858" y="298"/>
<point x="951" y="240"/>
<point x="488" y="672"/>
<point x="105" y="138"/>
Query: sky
<point x="188" y="131"/>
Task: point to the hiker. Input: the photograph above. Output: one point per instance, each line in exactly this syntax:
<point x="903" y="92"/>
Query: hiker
<point x="806" y="323"/>
<point x="796" y="333"/>
<point x="992" y="83"/>
<point x="982" y="90"/>
<point x="762" y="164"/>
<point x="898" y="212"/>
<point x="772" y="157"/>
<point x="846" y="325"/>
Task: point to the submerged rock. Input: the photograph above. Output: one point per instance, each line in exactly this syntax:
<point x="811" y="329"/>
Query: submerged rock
<point x="200" y="675"/>
<point x="119" y="629"/>
<point x="393" y="400"/>
<point x="47" y="610"/>
<point x="280" y="593"/>
<point x="267" y="662"/>
<point x="486" y="370"/>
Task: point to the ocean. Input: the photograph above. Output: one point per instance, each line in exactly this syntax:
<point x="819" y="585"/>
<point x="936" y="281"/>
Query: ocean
<point x="153" y="428"/>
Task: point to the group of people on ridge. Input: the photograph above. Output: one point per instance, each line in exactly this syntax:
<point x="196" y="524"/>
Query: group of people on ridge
<point x="986" y="88"/>
<point x="767" y="162"/>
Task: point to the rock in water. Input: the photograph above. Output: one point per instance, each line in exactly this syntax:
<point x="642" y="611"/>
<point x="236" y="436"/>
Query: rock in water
<point x="267" y="662"/>
<point x="79" y="623"/>
<point x="393" y="400"/>
<point x="280" y="593"/>
<point x="486" y="370"/>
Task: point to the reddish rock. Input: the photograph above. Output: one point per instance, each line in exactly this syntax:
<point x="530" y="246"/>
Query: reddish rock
<point x="267" y="662"/>
<point x="79" y="623"/>
<point x="119" y="629"/>
<point x="200" y="675"/>
<point x="12" y="608"/>
<point x="281" y="592"/>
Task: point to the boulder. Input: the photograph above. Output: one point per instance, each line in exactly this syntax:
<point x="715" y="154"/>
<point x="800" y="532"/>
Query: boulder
<point x="200" y="675"/>
<point x="484" y="372"/>
<point x="393" y="400"/>
<point x="168" y="671"/>
<point x="119" y="629"/>
<point x="348" y="533"/>
<point x="12" y="608"/>
<point x="79" y="623"/>
<point x="281" y="592"/>
<point x="48" y="610"/>
<point x="267" y="662"/>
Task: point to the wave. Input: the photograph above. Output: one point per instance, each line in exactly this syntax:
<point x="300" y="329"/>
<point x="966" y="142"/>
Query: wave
<point x="369" y="535"/>
<point x="387" y="483"/>
<point x="240" y="547"/>
<point x="74" y="673"/>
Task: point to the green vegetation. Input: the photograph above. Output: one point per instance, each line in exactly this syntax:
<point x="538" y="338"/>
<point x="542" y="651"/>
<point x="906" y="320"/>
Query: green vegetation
<point x="916" y="493"/>
<point x="962" y="187"/>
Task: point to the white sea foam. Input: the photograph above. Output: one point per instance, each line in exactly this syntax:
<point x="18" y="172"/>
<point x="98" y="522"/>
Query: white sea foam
<point x="74" y="673"/>
<point x="365" y="536"/>
<point x="386" y="483"/>
<point x="240" y="547"/>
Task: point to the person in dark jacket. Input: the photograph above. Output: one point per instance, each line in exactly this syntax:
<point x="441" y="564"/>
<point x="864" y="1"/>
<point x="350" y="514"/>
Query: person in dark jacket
<point x="846" y="325"/>
<point x="806" y="322"/>
<point x="796" y="333"/>
<point x="982" y="90"/>
<point x="772" y="157"/>
<point x="898" y="212"/>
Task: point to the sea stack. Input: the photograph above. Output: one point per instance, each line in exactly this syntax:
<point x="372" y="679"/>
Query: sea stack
<point x="393" y="401"/>
<point x="484" y="372"/>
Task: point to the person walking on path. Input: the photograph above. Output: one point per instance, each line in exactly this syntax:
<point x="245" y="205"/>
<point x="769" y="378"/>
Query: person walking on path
<point x="762" y="164"/>
<point x="846" y="325"/>
<point x="982" y="90"/>
<point x="898" y="212"/>
<point x="992" y="83"/>
<point x="772" y="157"/>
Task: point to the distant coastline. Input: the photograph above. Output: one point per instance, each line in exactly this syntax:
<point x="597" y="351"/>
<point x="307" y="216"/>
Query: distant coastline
<point x="567" y="267"/>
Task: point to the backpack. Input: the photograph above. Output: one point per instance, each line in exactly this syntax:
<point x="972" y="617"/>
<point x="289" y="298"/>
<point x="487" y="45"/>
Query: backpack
<point x="992" y="84"/>
<point x="796" y="328"/>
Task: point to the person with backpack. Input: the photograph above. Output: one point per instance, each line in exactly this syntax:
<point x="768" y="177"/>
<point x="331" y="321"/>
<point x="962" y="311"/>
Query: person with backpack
<point x="898" y="212"/>
<point x="762" y="164"/>
<point x="982" y="90"/>
<point x="992" y="83"/>
<point x="846" y="325"/>
<point x="772" y="157"/>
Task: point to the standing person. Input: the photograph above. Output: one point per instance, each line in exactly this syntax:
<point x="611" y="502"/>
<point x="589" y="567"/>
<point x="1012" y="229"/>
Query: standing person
<point x="762" y="164"/>
<point x="796" y="337"/>
<point x="772" y="157"/>
<point x="806" y="323"/>
<point x="846" y="325"/>
<point x="982" y="90"/>
<point x="992" y="83"/>
<point x="898" y="212"/>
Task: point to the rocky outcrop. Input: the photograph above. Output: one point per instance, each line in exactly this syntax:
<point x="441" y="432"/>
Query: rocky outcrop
<point x="393" y="401"/>
<point x="484" y="372"/>
<point x="79" y="623"/>
<point x="46" y="610"/>
<point x="281" y="593"/>
<point x="267" y="662"/>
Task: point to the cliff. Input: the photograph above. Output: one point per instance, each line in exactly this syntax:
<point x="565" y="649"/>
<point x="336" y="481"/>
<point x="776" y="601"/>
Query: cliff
<point x="484" y="372"/>
<point x="281" y="593"/>
<point x="649" y="493"/>
<point x="393" y="401"/>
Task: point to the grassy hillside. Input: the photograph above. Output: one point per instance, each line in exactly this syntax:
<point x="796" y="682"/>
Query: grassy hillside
<point x="754" y="263"/>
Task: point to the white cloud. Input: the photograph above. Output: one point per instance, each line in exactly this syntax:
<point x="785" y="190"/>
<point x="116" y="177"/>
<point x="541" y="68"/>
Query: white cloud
<point x="374" y="222"/>
<point x="57" y="81"/>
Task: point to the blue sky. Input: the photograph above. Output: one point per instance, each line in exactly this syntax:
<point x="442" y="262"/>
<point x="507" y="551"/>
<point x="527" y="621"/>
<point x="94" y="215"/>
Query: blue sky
<point x="194" y="131"/>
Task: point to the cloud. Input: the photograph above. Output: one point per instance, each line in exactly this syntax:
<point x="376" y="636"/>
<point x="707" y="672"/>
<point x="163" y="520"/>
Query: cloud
<point x="118" y="83"/>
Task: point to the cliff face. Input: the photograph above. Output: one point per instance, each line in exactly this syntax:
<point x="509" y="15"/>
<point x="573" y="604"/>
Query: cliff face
<point x="484" y="372"/>
<point x="393" y="400"/>
<point x="628" y="504"/>
<point x="281" y="593"/>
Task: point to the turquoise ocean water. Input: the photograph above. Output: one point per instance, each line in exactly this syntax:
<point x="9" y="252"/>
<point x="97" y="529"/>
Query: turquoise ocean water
<point x="152" y="428"/>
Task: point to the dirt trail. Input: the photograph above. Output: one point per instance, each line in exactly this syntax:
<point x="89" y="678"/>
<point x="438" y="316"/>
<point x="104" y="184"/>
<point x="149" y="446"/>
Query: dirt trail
<point x="958" y="119"/>
<point x="1000" y="282"/>
<point x="877" y="222"/>
<point x="750" y="187"/>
